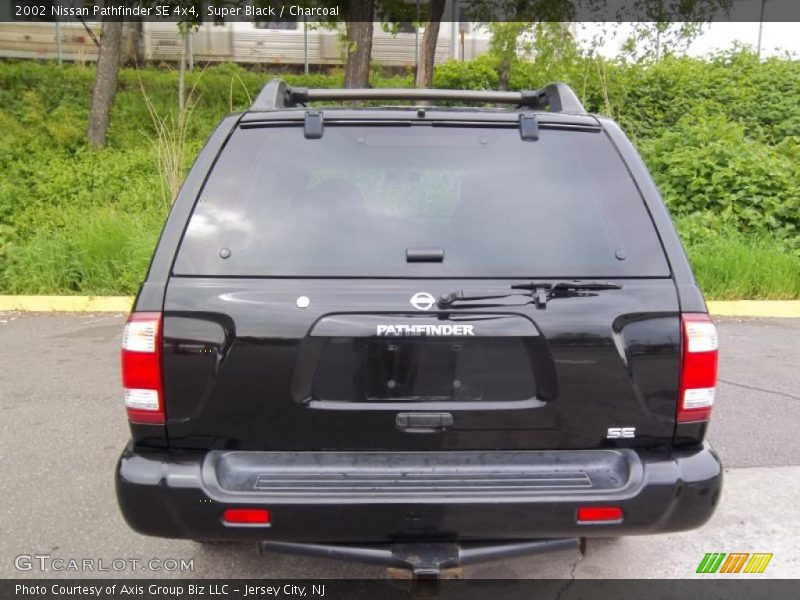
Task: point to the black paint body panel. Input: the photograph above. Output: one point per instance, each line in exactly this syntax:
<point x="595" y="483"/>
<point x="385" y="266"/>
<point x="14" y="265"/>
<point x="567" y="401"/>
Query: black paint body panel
<point x="239" y="364"/>
<point x="234" y="351"/>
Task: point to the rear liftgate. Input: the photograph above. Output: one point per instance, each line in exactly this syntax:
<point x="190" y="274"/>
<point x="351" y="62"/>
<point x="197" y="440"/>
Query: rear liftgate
<point x="436" y="372"/>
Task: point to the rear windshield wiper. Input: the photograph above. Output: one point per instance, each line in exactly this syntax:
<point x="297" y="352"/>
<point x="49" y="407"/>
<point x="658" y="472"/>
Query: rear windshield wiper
<point x="539" y="291"/>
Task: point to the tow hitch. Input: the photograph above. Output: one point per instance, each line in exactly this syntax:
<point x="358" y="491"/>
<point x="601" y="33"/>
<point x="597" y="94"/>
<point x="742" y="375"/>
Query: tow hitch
<point x="421" y="560"/>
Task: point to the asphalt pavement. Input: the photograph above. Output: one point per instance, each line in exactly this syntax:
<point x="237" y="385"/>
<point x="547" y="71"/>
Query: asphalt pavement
<point x="62" y="427"/>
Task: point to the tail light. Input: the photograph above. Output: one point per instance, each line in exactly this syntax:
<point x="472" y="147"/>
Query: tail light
<point x="699" y="368"/>
<point x="141" y="368"/>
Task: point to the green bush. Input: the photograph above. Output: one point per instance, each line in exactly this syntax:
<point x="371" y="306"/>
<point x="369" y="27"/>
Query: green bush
<point x="761" y="96"/>
<point x="720" y="136"/>
<point x="479" y="74"/>
<point x="706" y="165"/>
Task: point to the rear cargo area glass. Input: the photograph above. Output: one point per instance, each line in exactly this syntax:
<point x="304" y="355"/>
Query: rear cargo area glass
<point x="355" y="201"/>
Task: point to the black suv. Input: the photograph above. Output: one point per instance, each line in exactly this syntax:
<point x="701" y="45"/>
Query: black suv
<point x="418" y="335"/>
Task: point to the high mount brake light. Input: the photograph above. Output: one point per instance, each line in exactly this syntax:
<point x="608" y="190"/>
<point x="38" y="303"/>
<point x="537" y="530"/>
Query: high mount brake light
<point x="698" y="368"/>
<point x="141" y="368"/>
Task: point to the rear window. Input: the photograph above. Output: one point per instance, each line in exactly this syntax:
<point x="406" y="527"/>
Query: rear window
<point x="353" y="202"/>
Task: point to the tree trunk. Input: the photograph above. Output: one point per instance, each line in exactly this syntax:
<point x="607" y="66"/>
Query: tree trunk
<point x="182" y="74"/>
<point x="105" y="83"/>
<point x="503" y="72"/>
<point x="424" y="76"/>
<point x="132" y="43"/>
<point x="359" y="43"/>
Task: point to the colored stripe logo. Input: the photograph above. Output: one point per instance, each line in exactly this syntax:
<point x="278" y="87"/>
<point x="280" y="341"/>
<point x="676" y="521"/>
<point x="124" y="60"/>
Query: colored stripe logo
<point x="734" y="562"/>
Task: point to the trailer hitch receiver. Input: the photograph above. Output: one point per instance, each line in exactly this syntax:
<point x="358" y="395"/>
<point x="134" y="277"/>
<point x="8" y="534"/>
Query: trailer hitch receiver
<point x="423" y="560"/>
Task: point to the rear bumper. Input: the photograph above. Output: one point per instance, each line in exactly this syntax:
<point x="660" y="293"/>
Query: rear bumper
<point x="389" y="497"/>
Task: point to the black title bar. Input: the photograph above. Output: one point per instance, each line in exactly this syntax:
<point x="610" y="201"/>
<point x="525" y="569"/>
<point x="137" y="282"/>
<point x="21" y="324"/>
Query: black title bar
<point x="332" y="12"/>
<point x="741" y="588"/>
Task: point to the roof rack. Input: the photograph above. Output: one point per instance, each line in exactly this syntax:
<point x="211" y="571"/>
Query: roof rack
<point x="558" y="97"/>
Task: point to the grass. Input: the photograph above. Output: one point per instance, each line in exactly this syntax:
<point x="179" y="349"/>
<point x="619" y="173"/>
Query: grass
<point x="736" y="266"/>
<point x="106" y="254"/>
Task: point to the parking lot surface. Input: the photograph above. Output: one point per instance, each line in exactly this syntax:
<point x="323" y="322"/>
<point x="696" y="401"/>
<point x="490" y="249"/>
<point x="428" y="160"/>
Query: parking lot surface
<point x="62" y="426"/>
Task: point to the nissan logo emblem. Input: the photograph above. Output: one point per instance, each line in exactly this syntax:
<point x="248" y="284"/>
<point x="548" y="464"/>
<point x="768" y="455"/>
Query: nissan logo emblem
<point x="422" y="301"/>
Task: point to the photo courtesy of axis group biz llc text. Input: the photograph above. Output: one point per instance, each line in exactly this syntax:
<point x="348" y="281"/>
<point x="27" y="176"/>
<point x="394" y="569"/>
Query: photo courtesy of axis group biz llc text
<point x="168" y="589"/>
<point x="389" y="299"/>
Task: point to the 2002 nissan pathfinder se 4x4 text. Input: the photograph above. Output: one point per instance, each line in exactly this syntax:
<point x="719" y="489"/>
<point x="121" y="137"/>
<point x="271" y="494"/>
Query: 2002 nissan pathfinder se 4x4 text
<point x="418" y="336"/>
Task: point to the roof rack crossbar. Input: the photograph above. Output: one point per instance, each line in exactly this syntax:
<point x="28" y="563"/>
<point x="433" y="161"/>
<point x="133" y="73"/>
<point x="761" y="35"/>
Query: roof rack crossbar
<point x="559" y="97"/>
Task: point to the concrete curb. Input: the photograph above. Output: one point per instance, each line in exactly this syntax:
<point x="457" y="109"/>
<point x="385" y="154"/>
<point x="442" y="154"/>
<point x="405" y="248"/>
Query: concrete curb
<point x="718" y="308"/>
<point x="786" y="309"/>
<point x="67" y="303"/>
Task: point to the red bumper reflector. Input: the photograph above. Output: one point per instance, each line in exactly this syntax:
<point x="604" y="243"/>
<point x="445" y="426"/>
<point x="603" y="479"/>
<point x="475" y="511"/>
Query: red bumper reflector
<point x="599" y="514"/>
<point x="246" y="516"/>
